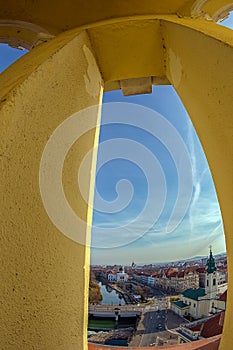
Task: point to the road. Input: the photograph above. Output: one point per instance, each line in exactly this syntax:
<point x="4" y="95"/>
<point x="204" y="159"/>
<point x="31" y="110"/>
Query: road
<point x="156" y="324"/>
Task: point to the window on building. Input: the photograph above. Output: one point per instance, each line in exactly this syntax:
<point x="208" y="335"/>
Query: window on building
<point x="214" y="282"/>
<point x="207" y="283"/>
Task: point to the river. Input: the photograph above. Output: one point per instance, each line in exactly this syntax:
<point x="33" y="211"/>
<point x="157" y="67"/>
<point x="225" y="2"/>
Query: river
<point x="110" y="296"/>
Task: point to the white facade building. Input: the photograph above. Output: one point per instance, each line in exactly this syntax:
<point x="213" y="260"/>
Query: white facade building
<point x="200" y="302"/>
<point x="112" y="277"/>
<point x="119" y="277"/>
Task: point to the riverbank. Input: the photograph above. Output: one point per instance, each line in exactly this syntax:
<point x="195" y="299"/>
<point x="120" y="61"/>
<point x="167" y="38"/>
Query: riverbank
<point x="111" y="295"/>
<point x="95" y="296"/>
<point x="126" y="296"/>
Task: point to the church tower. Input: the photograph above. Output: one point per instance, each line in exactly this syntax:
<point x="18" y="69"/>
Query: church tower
<point x="211" y="283"/>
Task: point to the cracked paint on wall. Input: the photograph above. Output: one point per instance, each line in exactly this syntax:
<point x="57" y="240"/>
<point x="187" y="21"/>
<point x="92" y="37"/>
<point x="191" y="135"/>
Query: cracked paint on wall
<point x="175" y="68"/>
<point x="92" y="71"/>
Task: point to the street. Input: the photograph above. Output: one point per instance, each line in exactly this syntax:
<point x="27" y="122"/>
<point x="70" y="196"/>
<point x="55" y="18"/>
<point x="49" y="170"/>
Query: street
<point x="157" y="325"/>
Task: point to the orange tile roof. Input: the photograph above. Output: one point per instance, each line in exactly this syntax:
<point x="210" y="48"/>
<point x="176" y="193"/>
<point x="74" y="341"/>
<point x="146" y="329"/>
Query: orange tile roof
<point x="190" y="269"/>
<point x="155" y="274"/>
<point x="223" y="296"/>
<point x="200" y="269"/>
<point x="213" y="326"/>
<point x="196" y="328"/>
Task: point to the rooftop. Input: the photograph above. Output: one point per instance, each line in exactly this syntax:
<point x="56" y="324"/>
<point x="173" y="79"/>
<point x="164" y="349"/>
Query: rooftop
<point x="204" y="344"/>
<point x="194" y="294"/>
<point x="180" y="304"/>
<point x="213" y="326"/>
<point x="223" y="296"/>
<point x="201" y="269"/>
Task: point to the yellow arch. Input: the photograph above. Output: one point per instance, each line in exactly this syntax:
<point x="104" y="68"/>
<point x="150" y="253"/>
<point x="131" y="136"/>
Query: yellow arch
<point x="45" y="273"/>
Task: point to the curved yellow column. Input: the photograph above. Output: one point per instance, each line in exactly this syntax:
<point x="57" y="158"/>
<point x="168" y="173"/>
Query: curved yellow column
<point x="199" y="64"/>
<point x="44" y="274"/>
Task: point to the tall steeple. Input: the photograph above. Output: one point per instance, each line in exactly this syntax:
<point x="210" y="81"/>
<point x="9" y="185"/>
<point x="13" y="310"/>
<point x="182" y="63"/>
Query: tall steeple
<point x="211" y="284"/>
<point x="210" y="265"/>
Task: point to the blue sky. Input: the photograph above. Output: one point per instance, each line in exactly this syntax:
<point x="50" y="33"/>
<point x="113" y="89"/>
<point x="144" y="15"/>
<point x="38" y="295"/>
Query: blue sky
<point x="118" y="236"/>
<point x="201" y="225"/>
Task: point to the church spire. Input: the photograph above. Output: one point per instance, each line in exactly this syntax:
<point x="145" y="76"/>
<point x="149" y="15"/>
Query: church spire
<point x="210" y="265"/>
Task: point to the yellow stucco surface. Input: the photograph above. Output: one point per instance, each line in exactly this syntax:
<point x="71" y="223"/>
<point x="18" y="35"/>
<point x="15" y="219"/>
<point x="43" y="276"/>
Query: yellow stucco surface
<point x="45" y="274"/>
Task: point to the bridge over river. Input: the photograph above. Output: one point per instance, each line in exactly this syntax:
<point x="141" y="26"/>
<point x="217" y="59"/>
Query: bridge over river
<point x="123" y="310"/>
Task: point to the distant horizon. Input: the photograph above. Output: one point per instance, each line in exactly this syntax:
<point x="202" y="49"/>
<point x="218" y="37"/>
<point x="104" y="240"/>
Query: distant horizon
<point x="161" y="262"/>
<point x="132" y="208"/>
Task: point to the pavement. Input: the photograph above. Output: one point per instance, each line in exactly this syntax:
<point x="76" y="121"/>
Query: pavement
<point x="157" y="325"/>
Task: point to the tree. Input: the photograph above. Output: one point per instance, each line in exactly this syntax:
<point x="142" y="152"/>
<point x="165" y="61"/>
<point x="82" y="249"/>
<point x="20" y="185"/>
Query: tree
<point x="95" y="295"/>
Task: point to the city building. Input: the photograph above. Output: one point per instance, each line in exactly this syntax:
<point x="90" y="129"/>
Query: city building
<point x="119" y="277"/>
<point x="112" y="277"/>
<point x="201" y="302"/>
<point x="204" y="328"/>
<point x="174" y="280"/>
<point x="151" y="280"/>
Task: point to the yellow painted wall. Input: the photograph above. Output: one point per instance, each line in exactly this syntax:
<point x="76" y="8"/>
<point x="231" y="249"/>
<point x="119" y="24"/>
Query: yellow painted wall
<point x="45" y="274"/>
<point x="201" y="70"/>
